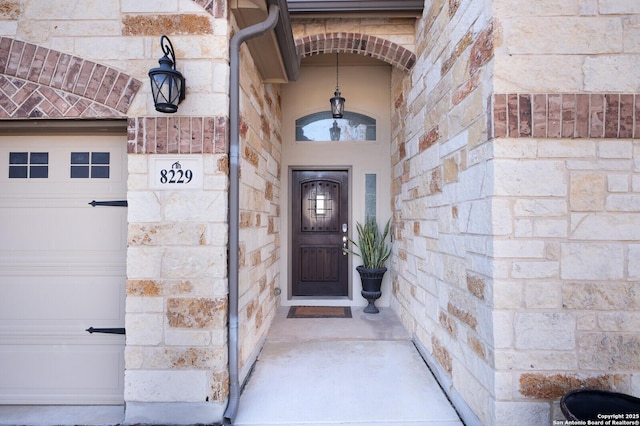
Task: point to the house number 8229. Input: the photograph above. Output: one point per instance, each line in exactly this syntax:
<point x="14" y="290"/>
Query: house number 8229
<point x="175" y="174"/>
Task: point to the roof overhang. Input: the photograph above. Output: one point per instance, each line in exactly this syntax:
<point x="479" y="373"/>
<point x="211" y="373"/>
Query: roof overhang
<point x="395" y="8"/>
<point x="274" y="53"/>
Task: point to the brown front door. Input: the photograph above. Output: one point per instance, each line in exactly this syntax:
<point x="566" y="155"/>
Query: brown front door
<point x="319" y="213"/>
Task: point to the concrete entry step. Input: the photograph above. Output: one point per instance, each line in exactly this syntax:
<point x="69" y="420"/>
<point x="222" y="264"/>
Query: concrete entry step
<point x="382" y="326"/>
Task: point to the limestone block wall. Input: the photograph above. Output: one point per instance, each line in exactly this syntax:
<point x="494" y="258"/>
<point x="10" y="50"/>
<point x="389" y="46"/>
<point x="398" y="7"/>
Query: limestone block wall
<point x="567" y="47"/>
<point x="197" y="314"/>
<point x="564" y="120"/>
<point x="260" y="173"/>
<point x="176" y="349"/>
<point x="442" y="187"/>
<point x="515" y="171"/>
<point x="565" y="282"/>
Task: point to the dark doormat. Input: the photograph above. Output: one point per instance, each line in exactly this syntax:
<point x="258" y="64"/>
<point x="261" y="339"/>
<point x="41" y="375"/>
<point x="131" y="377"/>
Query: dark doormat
<point x="319" y="312"/>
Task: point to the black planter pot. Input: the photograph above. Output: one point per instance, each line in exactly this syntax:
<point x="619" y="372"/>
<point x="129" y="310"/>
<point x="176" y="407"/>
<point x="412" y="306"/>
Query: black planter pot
<point x="371" y="283"/>
<point x="593" y="404"/>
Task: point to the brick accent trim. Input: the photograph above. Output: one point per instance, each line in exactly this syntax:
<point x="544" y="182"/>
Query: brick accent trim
<point x="565" y="115"/>
<point x="40" y="82"/>
<point x="361" y="44"/>
<point x="177" y="135"/>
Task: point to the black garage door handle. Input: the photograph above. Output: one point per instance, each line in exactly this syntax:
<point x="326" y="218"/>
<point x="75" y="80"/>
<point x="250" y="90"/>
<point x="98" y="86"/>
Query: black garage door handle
<point x="92" y="330"/>
<point x="120" y="203"/>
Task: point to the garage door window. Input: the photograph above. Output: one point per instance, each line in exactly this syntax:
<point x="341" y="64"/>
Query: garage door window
<point x="93" y="165"/>
<point x="28" y="165"/>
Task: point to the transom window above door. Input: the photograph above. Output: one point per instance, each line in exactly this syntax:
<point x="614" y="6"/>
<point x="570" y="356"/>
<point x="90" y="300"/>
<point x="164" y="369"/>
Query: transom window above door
<point x="321" y="126"/>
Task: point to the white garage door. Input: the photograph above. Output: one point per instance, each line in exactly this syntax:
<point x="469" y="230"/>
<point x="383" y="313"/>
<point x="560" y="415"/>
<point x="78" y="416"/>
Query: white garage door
<point x="62" y="269"/>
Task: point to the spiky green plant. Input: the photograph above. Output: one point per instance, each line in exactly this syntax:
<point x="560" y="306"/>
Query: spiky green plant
<point x="372" y="244"/>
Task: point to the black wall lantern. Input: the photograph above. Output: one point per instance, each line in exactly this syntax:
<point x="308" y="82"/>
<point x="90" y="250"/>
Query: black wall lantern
<point x="167" y="84"/>
<point x="337" y="102"/>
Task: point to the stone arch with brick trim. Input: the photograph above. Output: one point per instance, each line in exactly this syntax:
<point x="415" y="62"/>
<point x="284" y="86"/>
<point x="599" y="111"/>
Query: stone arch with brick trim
<point x="38" y="82"/>
<point x="360" y="44"/>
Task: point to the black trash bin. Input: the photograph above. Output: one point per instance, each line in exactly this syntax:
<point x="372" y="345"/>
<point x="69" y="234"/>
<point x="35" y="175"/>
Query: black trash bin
<point x="591" y="404"/>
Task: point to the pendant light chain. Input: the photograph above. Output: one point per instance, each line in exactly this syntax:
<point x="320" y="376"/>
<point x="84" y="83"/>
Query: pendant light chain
<point x="337" y="101"/>
<point x="337" y="85"/>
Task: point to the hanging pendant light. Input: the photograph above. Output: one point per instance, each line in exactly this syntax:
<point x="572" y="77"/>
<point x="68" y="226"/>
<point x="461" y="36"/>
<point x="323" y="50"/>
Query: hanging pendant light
<point x="167" y="84"/>
<point x="337" y="102"/>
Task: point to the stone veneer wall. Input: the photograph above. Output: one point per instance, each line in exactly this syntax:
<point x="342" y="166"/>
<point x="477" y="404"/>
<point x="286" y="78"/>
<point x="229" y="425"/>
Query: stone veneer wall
<point x="566" y="185"/>
<point x="442" y="198"/>
<point x="566" y="280"/>
<point x="177" y="285"/>
<point x="515" y="196"/>
<point x="192" y="351"/>
<point x="177" y="268"/>
<point x="260" y="173"/>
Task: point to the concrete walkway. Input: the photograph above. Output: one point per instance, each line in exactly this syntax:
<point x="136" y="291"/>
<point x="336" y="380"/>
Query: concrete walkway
<point x="47" y="415"/>
<point x="354" y="371"/>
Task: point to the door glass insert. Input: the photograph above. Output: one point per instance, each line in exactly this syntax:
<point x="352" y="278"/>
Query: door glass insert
<point x="93" y="165"/>
<point x="28" y="165"/>
<point x="319" y="206"/>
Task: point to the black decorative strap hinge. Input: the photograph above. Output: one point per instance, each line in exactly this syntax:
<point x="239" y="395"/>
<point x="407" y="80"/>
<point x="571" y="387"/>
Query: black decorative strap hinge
<point x="92" y="330"/>
<point x="120" y="203"/>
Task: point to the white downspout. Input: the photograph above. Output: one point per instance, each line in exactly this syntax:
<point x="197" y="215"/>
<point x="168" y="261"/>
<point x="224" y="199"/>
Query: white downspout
<point x="234" y="207"/>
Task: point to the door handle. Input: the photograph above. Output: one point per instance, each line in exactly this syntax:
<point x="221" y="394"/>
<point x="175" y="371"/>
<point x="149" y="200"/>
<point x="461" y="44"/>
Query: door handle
<point x="345" y="228"/>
